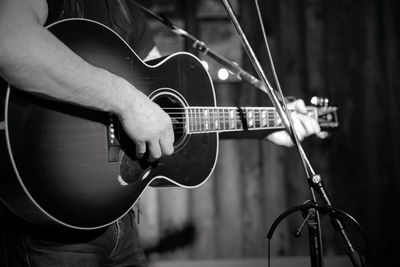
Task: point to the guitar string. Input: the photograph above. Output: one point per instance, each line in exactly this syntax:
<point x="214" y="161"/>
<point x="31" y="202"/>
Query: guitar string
<point x="246" y="108"/>
<point x="196" y="122"/>
<point x="204" y="131"/>
<point x="223" y="119"/>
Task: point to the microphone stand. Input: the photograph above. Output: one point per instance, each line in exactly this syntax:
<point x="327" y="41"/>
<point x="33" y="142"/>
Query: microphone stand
<point x="314" y="180"/>
<point x="205" y="50"/>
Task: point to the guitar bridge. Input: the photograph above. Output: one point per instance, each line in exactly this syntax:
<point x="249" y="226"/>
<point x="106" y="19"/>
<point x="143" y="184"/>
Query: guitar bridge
<point x="112" y="139"/>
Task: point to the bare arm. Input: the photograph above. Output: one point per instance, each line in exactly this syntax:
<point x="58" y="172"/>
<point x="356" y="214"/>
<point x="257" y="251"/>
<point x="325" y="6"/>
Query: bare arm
<point x="34" y="60"/>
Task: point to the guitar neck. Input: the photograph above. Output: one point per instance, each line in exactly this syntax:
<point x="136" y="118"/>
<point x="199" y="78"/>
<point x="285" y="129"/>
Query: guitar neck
<point x="229" y="119"/>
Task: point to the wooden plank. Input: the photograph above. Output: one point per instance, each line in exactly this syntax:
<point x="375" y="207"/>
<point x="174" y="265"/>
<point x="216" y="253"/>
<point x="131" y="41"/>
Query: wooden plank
<point x="148" y="219"/>
<point x="174" y="219"/>
<point x="314" y="47"/>
<point x="229" y="229"/>
<point x="292" y="55"/>
<point x="227" y="189"/>
<point x="253" y="221"/>
<point x="317" y="150"/>
<point x="274" y="197"/>
<point x="202" y="208"/>
<point x="250" y="150"/>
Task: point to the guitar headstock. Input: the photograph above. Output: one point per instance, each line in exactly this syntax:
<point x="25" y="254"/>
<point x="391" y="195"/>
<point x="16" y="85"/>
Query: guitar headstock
<point x="326" y="115"/>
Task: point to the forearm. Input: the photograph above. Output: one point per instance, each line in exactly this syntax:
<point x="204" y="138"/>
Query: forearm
<point x="33" y="60"/>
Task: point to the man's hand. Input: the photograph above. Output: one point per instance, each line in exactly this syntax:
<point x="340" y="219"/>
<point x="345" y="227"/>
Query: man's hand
<point x="149" y="127"/>
<point x="35" y="61"/>
<point x="303" y="125"/>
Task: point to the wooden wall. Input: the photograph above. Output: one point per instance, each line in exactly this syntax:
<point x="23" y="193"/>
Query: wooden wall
<point x="344" y="50"/>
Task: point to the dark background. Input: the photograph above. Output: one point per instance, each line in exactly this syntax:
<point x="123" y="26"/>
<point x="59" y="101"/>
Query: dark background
<point x="344" y="50"/>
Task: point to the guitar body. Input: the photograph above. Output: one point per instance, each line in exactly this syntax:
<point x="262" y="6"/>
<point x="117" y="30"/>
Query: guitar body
<point x="64" y="165"/>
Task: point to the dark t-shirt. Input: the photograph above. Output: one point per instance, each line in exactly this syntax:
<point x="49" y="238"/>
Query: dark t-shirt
<point x="122" y="16"/>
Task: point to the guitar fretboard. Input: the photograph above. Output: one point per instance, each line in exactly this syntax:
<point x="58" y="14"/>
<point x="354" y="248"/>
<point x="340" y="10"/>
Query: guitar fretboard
<point x="217" y="119"/>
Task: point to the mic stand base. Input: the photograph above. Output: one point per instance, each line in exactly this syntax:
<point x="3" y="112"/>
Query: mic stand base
<point x="311" y="212"/>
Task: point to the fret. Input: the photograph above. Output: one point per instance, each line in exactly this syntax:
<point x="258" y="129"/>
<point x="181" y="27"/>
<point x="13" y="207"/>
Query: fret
<point x="204" y="113"/>
<point x="239" y="123"/>
<point x="191" y="118"/>
<point x="277" y="119"/>
<point x="221" y="119"/>
<point x="211" y="120"/>
<point x="216" y="119"/>
<point x="206" y="120"/>
<point x="250" y="118"/>
<point x="201" y="119"/>
<point x="232" y="119"/>
<point x="226" y="119"/>
<point x="194" y="126"/>
<point x="187" y="121"/>
<point x="257" y="117"/>
<point x="264" y="120"/>
<point x="196" y="121"/>
<point x="271" y="118"/>
<point x="190" y="121"/>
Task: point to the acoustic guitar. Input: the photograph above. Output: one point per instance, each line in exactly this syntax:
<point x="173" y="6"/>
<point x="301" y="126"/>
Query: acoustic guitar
<point x="71" y="166"/>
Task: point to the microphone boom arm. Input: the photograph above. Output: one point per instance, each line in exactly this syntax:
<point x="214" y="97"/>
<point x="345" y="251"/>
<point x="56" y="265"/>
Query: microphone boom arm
<point x="205" y="50"/>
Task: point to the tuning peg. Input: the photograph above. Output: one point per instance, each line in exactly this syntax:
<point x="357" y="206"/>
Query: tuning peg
<point x="319" y="101"/>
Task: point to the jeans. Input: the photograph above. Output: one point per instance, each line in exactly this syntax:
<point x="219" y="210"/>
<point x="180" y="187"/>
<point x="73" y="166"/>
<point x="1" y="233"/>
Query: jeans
<point x="27" y="245"/>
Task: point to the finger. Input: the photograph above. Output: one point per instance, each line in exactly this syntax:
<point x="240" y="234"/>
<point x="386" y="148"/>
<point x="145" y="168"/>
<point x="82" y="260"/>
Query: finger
<point x="140" y="149"/>
<point x="299" y="128"/>
<point x="170" y="132"/>
<point x="167" y="147"/>
<point x="309" y="125"/>
<point x="300" y="106"/>
<point x="154" y="151"/>
<point x="280" y="138"/>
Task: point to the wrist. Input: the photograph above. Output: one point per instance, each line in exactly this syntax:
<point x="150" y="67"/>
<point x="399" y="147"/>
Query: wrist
<point x="124" y="96"/>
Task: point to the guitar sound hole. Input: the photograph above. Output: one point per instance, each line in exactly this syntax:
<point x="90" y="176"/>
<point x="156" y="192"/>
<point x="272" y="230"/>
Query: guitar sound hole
<point x="175" y="108"/>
